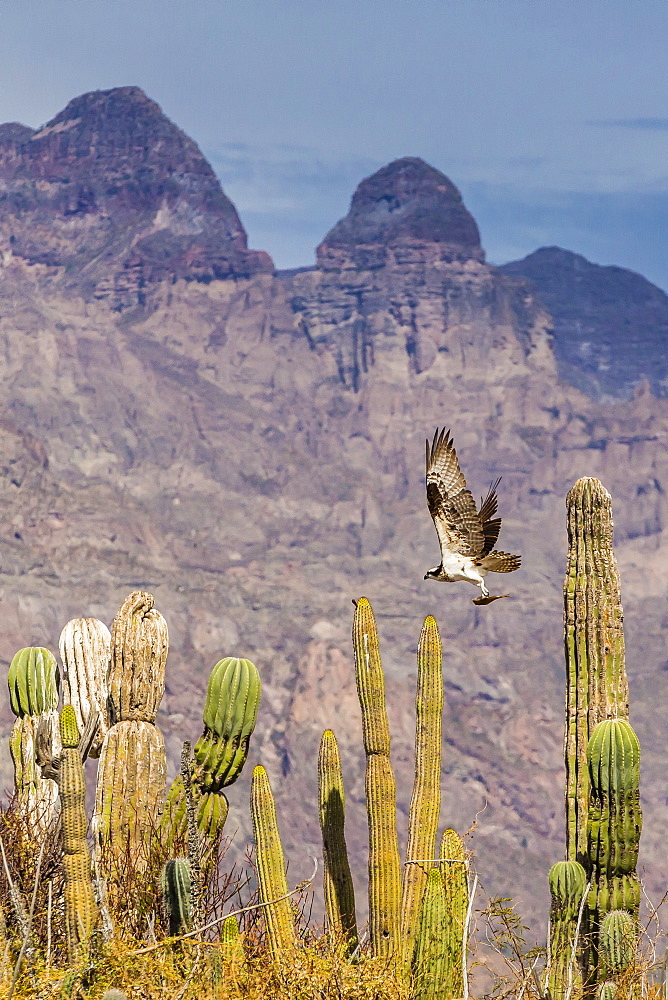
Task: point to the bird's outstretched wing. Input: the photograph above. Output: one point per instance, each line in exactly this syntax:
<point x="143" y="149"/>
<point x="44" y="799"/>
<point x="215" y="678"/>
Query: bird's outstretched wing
<point x="491" y="526"/>
<point x="458" y="524"/>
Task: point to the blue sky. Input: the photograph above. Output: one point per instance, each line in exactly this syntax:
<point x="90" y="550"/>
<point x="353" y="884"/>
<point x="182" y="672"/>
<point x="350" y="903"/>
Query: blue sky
<point x="551" y="116"/>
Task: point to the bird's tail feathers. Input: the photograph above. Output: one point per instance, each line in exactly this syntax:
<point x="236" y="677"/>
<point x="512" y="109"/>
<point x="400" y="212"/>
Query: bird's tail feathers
<point x="501" y="562"/>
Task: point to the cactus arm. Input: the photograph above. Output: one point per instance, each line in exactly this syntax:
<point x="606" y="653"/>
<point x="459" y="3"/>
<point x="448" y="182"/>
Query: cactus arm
<point x="139" y="643"/>
<point x="272" y="882"/>
<point x="596" y="683"/>
<point x="426" y="799"/>
<point x="85" y="650"/>
<point x="176" y="894"/>
<point x="384" y="862"/>
<point x="81" y="912"/>
<point x="337" y="880"/>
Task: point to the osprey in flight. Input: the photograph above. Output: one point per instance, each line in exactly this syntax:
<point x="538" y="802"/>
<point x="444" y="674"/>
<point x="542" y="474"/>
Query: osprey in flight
<point x="467" y="535"/>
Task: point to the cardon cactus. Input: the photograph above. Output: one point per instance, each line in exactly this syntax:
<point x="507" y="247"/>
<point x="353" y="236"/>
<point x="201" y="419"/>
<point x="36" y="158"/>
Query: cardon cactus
<point x="175" y="884"/>
<point x="230" y="713"/>
<point x="130" y="788"/>
<point x="429" y="963"/>
<point x="618" y="936"/>
<point x="129" y="793"/>
<point x="231" y="945"/>
<point x="272" y="882"/>
<point x="34" y="685"/>
<point x="596" y="682"/>
<point x="426" y="799"/>
<point x="337" y="879"/>
<point x="608" y="990"/>
<point x="380" y="787"/>
<point x="454" y="872"/>
<point x="85" y="649"/>
<point x="615" y="823"/>
<point x="568" y="881"/>
<point x="81" y="911"/>
<point x="139" y="642"/>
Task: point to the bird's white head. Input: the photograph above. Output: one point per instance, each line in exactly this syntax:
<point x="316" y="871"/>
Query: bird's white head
<point x="433" y="574"/>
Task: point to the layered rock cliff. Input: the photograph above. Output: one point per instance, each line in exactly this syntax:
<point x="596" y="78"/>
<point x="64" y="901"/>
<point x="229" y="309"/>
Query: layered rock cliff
<point x="251" y="450"/>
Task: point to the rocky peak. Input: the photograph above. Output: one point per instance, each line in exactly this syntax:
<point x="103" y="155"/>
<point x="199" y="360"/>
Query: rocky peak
<point x="112" y="186"/>
<point x="610" y="324"/>
<point x="408" y="203"/>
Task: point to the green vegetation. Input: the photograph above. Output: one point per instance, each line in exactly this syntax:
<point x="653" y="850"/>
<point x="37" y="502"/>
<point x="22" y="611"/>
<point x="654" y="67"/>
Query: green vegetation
<point x="149" y="908"/>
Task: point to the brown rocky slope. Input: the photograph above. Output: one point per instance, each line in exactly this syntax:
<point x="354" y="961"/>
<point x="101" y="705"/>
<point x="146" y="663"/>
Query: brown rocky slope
<point x="250" y="449"/>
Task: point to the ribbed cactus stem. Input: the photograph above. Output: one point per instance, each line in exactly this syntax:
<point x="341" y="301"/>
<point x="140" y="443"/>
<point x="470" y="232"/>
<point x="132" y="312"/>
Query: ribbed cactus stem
<point x="139" y="643"/>
<point x="34" y="686"/>
<point x="618" y="937"/>
<point x="454" y="872"/>
<point x="176" y="895"/>
<point x="231" y="944"/>
<point x="596" y="683"/>
<point x="607" y="990"/>
<point x="81" y="911"/>
<point x="272" y="882"/>
<point x="430" y="961"/>
<point x="129" y="794"/>
<point x="384" y="862"/>
<point x="85" y="649"/>
<point x="426" y="799"/>
<point x="568" y="881"/>
<point x="337" y="880"/>
<point x="615" y="824"/>
<point x="230" y="714"/>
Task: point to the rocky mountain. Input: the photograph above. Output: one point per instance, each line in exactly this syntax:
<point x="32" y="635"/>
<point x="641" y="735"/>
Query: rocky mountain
<point x="610" y="324"/>
<point x="249" y="447"/>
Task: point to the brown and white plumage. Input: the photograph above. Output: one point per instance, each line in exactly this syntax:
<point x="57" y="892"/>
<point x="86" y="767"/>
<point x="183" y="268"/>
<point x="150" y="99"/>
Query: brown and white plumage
<point x="467" y="536"/>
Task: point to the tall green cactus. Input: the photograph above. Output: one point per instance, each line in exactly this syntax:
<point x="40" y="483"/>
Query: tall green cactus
<point x="131" y="774"/>
<point x="230" y="714"/>
<point x="426" y="799"/>
<point x="429" y="962"/>
<point x="337" y="880"/>
<point x="568" y="881"/>
<point x="81" y="911"/>
<point x="454" y="870"/>
<point x="175" y="884"/>
<point x="85" y="649"/>
<point x="596" y="683"/>
<point x="615" y="824"/>
<point x="272" y="882"/>
<point x="380" y="787"/>
<point x="34" y="686"/>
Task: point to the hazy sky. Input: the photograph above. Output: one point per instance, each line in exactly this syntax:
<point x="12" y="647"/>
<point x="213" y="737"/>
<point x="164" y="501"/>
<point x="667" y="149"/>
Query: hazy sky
<point x="551" y="116"/>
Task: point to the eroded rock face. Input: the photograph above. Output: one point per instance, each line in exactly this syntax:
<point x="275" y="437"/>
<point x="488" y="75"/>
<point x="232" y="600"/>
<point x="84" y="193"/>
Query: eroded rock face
<point x="251" y="451"/>
<point x="114" y="193"/>
<point x="402" y="212"/>
<point x="610" y="324"/>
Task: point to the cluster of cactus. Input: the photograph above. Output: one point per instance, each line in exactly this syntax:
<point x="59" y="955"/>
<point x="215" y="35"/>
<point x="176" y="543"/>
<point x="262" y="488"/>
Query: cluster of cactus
<point x="602" y="755"/>
<point x="34" y="690"/>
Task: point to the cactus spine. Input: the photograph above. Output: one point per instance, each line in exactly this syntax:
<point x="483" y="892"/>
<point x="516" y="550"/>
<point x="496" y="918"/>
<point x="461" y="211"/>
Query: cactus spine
<point x="380" y="787"/>
<point x="131" y="773"/>
<point x="426" y="799"/>
<point x="568" y="881"/>
<point x="85" y="649"/>
<point x="596" y="683"/>
<point x="34" y="684"/>
<point x="80" y="907"/>
<point x="272" y="882"/>
<point x="175" y="884"/>
<point x="337" y="880"/>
